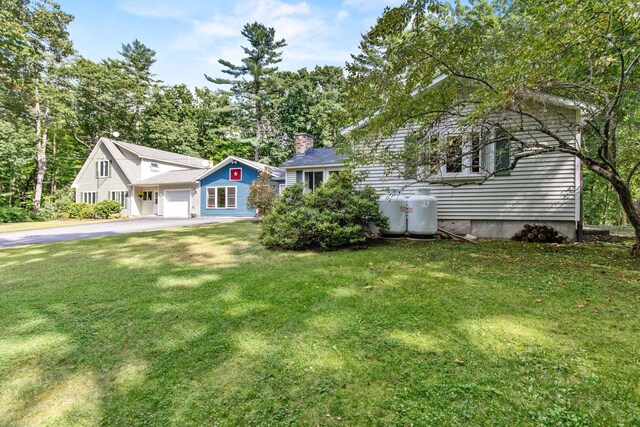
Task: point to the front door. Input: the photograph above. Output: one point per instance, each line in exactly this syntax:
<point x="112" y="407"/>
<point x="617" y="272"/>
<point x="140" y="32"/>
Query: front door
<point x="149" y="202"/>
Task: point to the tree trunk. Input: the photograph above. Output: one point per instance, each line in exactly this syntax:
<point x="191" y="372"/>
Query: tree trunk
<point x="631" y="209"/>
<point x="41" y="152"/>
<point x="54" y="168"/>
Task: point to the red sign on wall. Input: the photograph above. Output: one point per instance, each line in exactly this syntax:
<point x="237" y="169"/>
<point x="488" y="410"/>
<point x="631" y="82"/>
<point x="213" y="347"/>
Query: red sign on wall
<point x="235" y="174"/>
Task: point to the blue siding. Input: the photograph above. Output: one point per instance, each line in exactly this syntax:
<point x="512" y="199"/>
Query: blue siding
<point x="220" y="178"/>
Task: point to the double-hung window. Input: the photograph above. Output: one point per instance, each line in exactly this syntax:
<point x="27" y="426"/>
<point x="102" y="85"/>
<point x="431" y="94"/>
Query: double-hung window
<point x="313" y="180"/>
<point x="88" y="197"/>
<point x="103" y="169"/>
<point x="221" y="197"/>
<point x="463" y="154"/>
<point x="120" y="197"/>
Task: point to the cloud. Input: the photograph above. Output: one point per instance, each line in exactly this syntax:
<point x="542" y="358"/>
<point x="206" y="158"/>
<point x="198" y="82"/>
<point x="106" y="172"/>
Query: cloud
<point x="156" y="8"/>
<point x="370" y="5"/>
<point x="342" y="15"/>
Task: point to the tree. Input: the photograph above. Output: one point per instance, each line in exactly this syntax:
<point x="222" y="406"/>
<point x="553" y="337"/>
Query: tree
<point x="262" y="195"/>
<point x="502" y="59"/>
<point x="138" y="60"/>
<point x="311" y="102"/>
<point x="33" y="43"/>
<point x="254" y="95"/>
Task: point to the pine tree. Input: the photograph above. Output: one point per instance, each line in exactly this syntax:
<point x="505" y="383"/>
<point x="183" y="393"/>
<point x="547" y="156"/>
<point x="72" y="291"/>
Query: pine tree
<point x="254" y="95"/>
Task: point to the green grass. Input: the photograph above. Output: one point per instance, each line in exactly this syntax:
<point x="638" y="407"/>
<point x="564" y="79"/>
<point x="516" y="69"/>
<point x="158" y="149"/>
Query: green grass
<point x="201" y="325"/>
<point x="38" y="225"/>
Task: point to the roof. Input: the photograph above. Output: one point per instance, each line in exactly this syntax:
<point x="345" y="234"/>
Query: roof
<point x="161" y="155"/>
<point x="276" y="173"/>
<point x="172" y="177"/>
<point x="316" y="157"/>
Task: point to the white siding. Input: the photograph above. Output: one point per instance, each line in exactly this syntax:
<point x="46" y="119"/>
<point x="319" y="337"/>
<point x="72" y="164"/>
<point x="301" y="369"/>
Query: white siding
<point x="146" y="172"/>
<point x="540" y="188"/>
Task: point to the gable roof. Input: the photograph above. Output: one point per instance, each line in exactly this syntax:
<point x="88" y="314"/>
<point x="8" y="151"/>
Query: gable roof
<point x="316" y="157"/>
<point x="127" y="167"/>
<point x="161" y="155"/>
<point x="276" y="173"/>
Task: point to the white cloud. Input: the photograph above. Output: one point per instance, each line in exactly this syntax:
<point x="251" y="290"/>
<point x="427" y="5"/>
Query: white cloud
<point x="369" y="5"/>
<point x="342" y="15"/>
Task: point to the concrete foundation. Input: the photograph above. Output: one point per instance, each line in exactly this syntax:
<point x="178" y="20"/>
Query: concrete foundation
<point x="498" y="229"/>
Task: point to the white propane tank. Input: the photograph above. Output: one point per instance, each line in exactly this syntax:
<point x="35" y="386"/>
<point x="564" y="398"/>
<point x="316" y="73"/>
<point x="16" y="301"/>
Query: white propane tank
<point x="422" y="213"/>
<point x="394" y="207"/>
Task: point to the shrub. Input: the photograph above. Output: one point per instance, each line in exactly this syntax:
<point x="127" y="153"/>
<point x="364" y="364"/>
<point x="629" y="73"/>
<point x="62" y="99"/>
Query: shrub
<point x="106" y="208"/>
<point x="14" y="214"/>
<point x="59" y="202"/>
<point x="262" y="196"/>
<point x="336" y="214"/>
<point x="81" y="211"/>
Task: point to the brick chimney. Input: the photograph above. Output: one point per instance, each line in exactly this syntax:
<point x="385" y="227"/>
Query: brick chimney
<point x="304" y="141"/>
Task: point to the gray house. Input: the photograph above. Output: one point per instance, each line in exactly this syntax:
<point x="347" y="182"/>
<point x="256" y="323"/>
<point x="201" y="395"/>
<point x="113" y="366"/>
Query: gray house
<point x="145" y="181"/>
<point x="541" y="189"/>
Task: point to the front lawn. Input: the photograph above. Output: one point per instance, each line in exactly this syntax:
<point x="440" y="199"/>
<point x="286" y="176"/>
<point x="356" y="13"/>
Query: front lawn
<point x="201" y="325"/>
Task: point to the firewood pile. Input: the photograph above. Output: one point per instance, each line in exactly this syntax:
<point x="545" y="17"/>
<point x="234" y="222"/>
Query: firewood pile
<point x="539" y="233"/>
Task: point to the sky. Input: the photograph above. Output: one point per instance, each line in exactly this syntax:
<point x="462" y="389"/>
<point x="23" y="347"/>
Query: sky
<point x="189" y="36"/>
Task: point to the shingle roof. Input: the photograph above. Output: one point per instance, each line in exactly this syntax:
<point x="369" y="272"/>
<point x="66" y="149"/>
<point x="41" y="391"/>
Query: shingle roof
<point x="316" y="156"/>
<point x="172" y="177"/>
<point x="155" y="154"/>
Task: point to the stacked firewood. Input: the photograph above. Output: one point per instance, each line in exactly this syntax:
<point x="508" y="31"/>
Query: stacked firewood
<point x="539" y="233"/>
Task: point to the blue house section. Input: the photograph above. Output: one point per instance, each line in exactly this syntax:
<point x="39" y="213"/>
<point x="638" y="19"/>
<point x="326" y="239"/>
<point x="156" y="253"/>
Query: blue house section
<point x="221" y="178"/>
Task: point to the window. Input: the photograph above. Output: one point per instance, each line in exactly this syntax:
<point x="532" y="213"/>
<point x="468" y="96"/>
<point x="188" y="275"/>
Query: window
<point x="221" y="197"/>
<point x="88" y="197"/>
<point x="147" y="195"/>
<point x="154" y="167"/>
<point x="298" y="177"/>
<point x="103" y="169"/>
<point x="120" y="197"/>
<point x="453" y="154"/>
<point x="313" y="180"/>
<point x="502" y="153"/>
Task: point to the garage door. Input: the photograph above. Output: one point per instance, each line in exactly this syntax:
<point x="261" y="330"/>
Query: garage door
<point x="176" y="203"/>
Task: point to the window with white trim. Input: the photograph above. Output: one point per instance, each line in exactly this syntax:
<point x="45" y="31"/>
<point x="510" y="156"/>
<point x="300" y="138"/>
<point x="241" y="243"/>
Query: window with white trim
<point x="103" y="169"/>
<point x="221" y="197"/>
<point x="154" y="167"/>
<point x="120" y="197"/>
<point x="463" y="154"/>
<point x="88" y="197"/>
<point x="313" y="180"/>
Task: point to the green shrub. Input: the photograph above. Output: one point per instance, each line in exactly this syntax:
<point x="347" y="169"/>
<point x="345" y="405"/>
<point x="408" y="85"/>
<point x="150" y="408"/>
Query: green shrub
<point x="106" y="208"/>
<point x="336" y="214"/>
<point x="59" y="202"/>
<point x="14" y="214"/>
<point x="81" y="211"/>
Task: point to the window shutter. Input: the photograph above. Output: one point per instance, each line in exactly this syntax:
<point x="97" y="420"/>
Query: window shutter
<point x="502" y="154"/>
<point x="97" y="169"/>
<point x="298" y="177"/>
<point x="109" y="166"/>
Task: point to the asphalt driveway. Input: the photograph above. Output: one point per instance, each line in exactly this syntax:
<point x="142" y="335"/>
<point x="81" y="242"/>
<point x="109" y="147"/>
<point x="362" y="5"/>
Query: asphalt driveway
<point x="77" y="232"/>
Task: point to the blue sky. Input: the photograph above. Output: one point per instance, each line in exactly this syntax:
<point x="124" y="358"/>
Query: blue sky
<point x="190" y="36"/>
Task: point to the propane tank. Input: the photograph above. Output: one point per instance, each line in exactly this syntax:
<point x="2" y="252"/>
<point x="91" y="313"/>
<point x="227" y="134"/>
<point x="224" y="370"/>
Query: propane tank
<point x="394" y="207"/>
<point x="422" y="213"/>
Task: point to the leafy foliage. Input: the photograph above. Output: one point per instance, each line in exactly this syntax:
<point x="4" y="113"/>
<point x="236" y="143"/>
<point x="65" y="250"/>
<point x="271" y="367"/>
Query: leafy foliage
<point x="262" y="195"/>
<point x="81" y="211"/>
<point x="107" y="208"/>
<point x="336" y="214"/>
<point x="14" y="214"/>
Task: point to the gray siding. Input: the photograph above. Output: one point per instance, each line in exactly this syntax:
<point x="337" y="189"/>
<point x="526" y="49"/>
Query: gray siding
<point x="540" y="188"/>
<point x="87" y="181"/>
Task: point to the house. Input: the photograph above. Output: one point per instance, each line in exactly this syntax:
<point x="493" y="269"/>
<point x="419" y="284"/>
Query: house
<point x="311" y="166"/>
<point x="541" y="189"/>
<point x="224" y="189"/>
<point x="151" y="182"/>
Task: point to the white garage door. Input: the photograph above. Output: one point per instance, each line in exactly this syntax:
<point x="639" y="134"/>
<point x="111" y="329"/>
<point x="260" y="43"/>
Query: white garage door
<point x="176" y="203"/>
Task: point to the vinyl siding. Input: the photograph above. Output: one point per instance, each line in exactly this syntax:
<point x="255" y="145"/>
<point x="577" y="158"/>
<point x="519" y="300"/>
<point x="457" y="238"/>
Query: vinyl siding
<point x="220" y="178"/>
<point x="87" y="180"/>
<point x="539" y="188"/>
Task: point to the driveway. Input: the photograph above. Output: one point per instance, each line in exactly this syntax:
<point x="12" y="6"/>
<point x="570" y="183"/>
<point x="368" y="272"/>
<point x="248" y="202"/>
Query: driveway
<point x="78" y="232"/>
